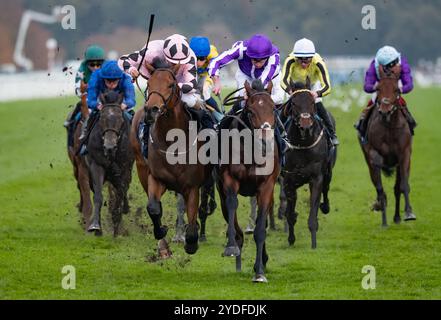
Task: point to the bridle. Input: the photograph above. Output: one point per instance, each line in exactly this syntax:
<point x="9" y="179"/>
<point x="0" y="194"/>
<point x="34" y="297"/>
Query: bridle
<point x="163" y="108"/>
<point x="248" y="114"/>
<point x="301" y="116"/>
<point x="117" y="132"/>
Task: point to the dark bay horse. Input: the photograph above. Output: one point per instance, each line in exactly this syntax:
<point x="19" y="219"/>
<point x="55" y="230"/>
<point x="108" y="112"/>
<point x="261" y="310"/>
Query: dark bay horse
<point x="110" y="159"/>
<point x="243" y="177"/>
<point x="310" y="159"/>
<point x="165" y="111"/>
<point x="389" y="146"/>
<point x="81" y="172"/>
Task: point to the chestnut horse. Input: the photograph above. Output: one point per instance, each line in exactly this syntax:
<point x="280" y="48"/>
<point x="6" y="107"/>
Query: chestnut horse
<point x="81" y="173"/>
<point x="164" y="111"/>
<point x="242" y="177"/>
<point x="389" y="146"/>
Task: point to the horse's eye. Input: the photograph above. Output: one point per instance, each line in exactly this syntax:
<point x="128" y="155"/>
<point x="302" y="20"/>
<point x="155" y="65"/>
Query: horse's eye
<point x="171" y="86"/>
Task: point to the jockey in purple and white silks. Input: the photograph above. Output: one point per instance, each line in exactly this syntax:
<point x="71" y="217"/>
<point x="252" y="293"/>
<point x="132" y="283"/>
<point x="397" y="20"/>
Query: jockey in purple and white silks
<point x="257" y="58"/>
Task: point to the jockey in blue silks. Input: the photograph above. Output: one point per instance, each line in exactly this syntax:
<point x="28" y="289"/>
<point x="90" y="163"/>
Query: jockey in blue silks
<point x="109" y="77"/>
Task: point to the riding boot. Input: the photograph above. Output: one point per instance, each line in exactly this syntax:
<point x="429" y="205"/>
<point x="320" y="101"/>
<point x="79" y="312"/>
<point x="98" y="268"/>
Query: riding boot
<point x="70" y="120"/>
<point x="361" y="125"/>
<point x="410" y="119"/>
<point x="323" y="114"/>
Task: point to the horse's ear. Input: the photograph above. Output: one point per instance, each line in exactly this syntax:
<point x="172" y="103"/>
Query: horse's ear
<point x="150" y="68"/>
<point x="247" y="87"/>
<point x="269" y="88"/>
<point x="308" y="83"/>
<point x="120" y="98"/>
<point x="102" y="97"/>
<point x="175" y="69"/>
<point x="287" y="109"/>
<point x="291" y="86"/>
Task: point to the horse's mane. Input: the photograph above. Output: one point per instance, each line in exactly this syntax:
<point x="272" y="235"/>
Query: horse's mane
<point x="160" y="63"/>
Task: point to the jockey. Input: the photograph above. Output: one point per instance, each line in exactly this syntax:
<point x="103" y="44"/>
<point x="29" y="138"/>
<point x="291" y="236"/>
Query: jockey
<point x="205" y="53"/>
<point x="109" y="77"/>
<point x="175" y="50"/>
<point x="258" y="58"/>
<point x="305" y="62"/>
<point x="389" y="59"/>
<point x="93" y="59"/>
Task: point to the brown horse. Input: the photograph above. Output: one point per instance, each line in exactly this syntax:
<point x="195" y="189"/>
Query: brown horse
<point x="242" y="177"/>
<point x="165" y="111"/>
<point x="389" y="146"/>
<point x="81" y="173"/>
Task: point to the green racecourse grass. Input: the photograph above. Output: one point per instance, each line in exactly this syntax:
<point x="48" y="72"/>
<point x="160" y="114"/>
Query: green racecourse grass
<point x="40" y="231"/>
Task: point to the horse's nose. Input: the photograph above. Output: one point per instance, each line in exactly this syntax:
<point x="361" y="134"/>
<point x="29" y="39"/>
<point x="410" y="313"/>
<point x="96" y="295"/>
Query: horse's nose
<point x="109" y="151"/>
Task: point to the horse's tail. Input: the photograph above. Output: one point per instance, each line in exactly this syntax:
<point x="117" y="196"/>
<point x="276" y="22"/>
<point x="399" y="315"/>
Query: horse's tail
<point x="388" y="171"/>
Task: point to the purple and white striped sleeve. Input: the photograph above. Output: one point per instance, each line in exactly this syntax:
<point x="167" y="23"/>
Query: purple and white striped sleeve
<point x="272" y="68"/>
<point x="225" y="58"/>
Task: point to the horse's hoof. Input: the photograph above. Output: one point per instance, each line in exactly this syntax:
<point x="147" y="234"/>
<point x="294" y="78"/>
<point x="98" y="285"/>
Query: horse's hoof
<point x="291" y="241"/>
<point x="179" y="238"/>
<point x="161" y="233"/>
<point x="203" y="238"/>
<point x="410" y="217"/>
<point x="384" y="225"/>
<point x="377" y="206"/>
<point x="324" y="207"/>
<point x="98" y="233"/>
<point x="397" y="220"/>
<point x="232" y="252"/>
<point x="249" y="230"/>
<point x="94" y="227"/>
<point x="260" y="278"/>
<point x="191" y="248"/>
<point x="164" y="251"/>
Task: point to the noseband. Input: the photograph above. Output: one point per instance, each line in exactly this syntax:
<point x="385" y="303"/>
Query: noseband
<point x="173" y="86"/>
<point x="265" y="125"/>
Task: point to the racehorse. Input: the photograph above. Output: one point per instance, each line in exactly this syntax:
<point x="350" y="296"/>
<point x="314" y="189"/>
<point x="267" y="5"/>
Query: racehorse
<point x="310" y="159"/>
<point x="241" y="177"/>
<point x="110" y="159"/>
<point x="165" y="111"/>
<point x="81" y="173"/>
<point x="389" y="146"/>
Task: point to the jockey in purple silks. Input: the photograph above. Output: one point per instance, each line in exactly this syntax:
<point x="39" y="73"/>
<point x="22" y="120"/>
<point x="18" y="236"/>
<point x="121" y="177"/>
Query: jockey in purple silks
<point x="389" y="59"/>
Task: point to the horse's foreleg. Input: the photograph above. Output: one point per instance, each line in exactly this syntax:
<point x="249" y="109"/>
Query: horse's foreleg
<point x="324" y="206"/>
<point x="405" y="187"/>
<point x="375" y="164"/>
<point x="397" y="191"/>
<point x="84" y="186"/>
<point x="290" y="212"/>
<point x="154" y="207"/>
<point x="315" y="188"/>
<point x="191" y="233"/>
<point x="180" y="221"/>
<point x="264" y="200"/>
<point x="97" y="175"/>
<point x="231" y="202"/>
<point x="283" y="201"/>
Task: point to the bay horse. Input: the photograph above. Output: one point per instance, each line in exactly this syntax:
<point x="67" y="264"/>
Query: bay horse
<point x="243" y="177"/>
<point x="165" y="111"/>
<point x="110" y="159"/>
<point x="80" y="169"/>
<point x="309" y="160"/>
<point x="389" y="146"/>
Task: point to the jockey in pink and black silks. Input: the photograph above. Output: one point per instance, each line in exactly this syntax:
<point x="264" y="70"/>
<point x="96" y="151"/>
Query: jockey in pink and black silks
<point x="174" y="50"/>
